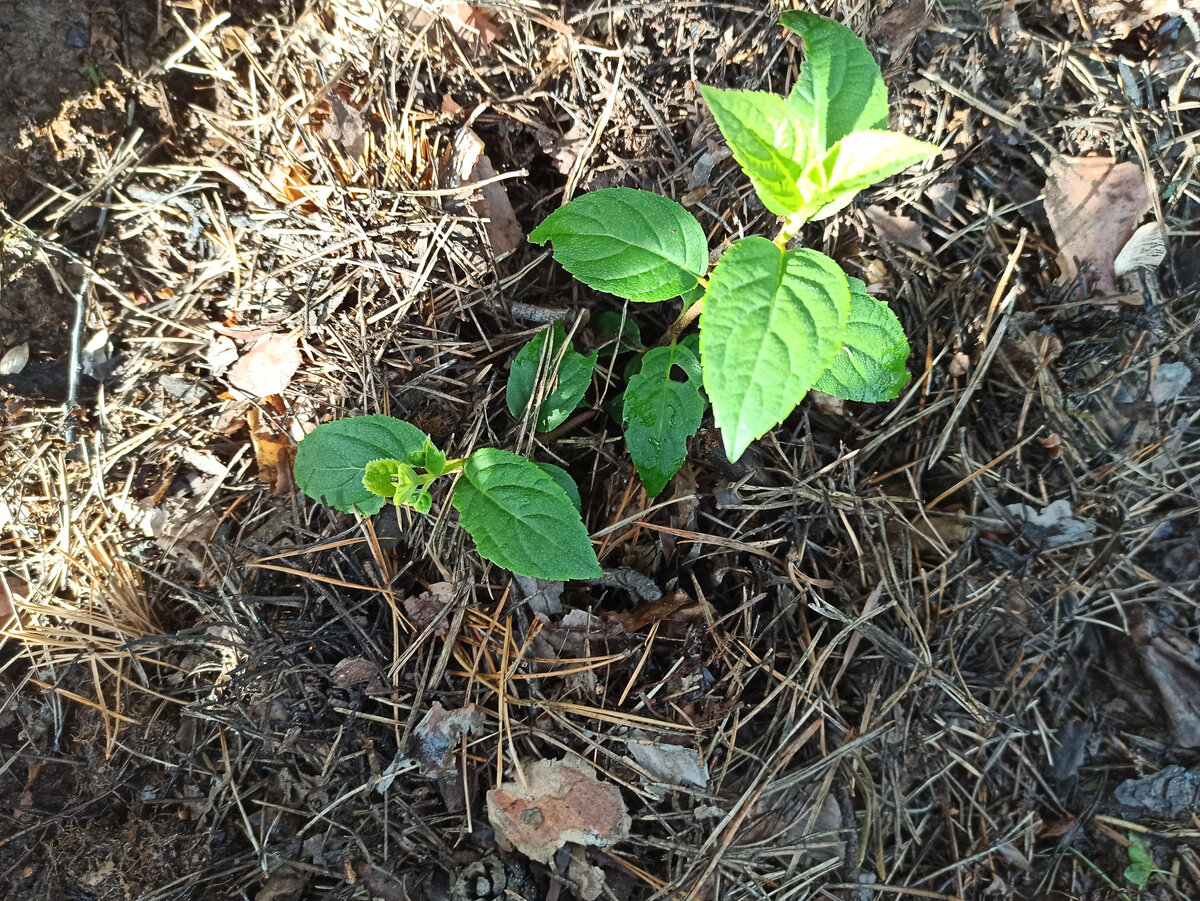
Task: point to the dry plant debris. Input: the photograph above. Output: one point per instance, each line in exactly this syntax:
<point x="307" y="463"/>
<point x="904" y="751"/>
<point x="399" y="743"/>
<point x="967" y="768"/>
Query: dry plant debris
<point x="557" y="802"/>
<point x="943" y="649"/>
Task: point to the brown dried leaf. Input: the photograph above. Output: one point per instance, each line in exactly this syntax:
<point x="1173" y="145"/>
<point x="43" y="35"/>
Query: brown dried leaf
<point x="1177" y="677"/>
<point x="274" y="451"/>
<point x="1123" y="16"/>
<point x="353" y="671"/>
<point x="797" y="820"/>
<point x="267" y="367"/>
<point x="896" y="29"/>
<point x="425" y="607"/>
<point x="1094" y="204"/>
<point x="468" y="22"/>
<point x="560" y="801"/>
<point x="897" y="229"/>
<point x="467" y="164"/>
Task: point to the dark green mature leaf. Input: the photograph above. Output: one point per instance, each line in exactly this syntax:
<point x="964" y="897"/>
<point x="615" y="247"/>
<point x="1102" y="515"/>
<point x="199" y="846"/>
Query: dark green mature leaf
<point x="522" y="519"/>
<point x="569" y="381"/>
<point x="840" y="89"/>
<point x="633" y="244"/>
<point x="661" y="414"/>
<point x="768" y="138"/>
<point x="616" y="333"/>
<point x="870" y="365"/>
<point x="331" y="460"/>
<point x="773" y="321"/>
<point x="563" y="479"/>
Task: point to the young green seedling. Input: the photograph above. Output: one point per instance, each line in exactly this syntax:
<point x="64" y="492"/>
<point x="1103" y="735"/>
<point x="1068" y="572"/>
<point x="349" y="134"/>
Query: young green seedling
<point x="774" y="322"/>
<point x="523" y="516"/>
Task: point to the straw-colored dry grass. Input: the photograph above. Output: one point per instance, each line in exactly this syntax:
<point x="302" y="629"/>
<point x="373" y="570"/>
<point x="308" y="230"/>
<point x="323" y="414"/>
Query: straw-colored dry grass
<point x="899" y="688"/>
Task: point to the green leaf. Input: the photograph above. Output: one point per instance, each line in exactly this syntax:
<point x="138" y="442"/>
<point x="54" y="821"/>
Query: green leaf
<point x="388" y="478"/>
<point x="332" y="459"/>
<point x="1141" y="864"/>
<point x="768" y="139"/>
<point x="856" y="162"/>
<point x="521" y="519"/>
<point x="616" y="334"/>
<point x="563" y="479"/>
<point x="870" y="365"/>
<point x="773" y="321"/>
<point x="569" y="382"/>
<point x="840" y="89"/>
<point x="660" y="414"/>
<point x="633" y="244"/>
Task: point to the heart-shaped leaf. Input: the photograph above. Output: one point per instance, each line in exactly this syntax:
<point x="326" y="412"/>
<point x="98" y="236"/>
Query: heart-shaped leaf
<point x="773" y="321"/>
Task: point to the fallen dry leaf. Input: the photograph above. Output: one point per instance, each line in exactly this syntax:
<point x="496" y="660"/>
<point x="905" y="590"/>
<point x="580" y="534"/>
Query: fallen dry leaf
<point x="436" y="738"/>
<point x="267" y="367"/>
<point x="425" y="607"/>
<point x="896" y="29"/>
<point x="1053" y="525"/>
<point x="1094" y="204"/>
<point x="274" y="451"/>
<point x="467" y="164"/>
<point x="669" y="764"/>
<point x="353" y="671"/>
<point x="468" y="22"/>
<point x="15" y="359"/>
<point x="561" y="801"/>
<point x="1168" y="382"/>
<point x="1145" y="250"/>
<point x="1123" y="16"/>
<point x="1171" y="793"/>
<point x="898" y="229"/>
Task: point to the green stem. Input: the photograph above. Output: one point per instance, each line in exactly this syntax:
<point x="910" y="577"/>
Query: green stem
<point x="790" y="228"/>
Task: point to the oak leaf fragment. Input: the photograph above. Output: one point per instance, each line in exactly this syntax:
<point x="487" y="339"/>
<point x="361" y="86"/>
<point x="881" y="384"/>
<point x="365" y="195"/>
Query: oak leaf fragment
<point x="560" y="801"/>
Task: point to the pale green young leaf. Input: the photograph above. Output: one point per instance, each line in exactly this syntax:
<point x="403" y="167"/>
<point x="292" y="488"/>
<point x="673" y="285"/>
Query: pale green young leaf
<point x="568" y="379"/>
<point x="840" y="89"/>
<point x="331" y="460"/>
<point x="522" y="519"/>
<point x="1141" y="864"/>
<point x="768" y="139"/>
<point x="660" y="414"/>
<point x="870" y="365"/>
<point x="634" y="244"/>
<point x="387" y="478"/>
<point x="773" y="321"/>
<point x="858" y="161"/>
